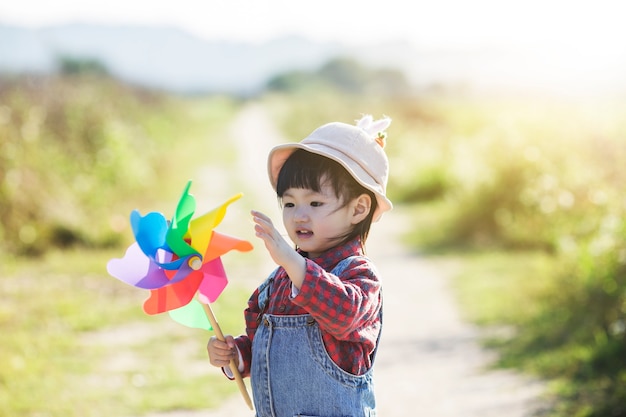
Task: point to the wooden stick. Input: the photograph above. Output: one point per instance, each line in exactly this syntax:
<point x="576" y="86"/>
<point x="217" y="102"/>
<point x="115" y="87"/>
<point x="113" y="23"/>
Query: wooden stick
<point x="233" y="364"/>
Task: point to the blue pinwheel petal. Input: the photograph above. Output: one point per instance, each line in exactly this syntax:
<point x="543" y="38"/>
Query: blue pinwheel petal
<point x="172" y="265"/>
<point x="150" y="231"/>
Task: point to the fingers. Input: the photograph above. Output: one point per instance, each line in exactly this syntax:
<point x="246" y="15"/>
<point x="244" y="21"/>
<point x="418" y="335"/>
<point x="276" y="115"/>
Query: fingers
<point x="263" y="226"/>
<point x="221" y="352"/>
<point x="258" y="215"/>
<point x="261" y="220"/>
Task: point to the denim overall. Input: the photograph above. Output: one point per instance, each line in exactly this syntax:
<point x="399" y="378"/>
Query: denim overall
<point x="292" y="375"/>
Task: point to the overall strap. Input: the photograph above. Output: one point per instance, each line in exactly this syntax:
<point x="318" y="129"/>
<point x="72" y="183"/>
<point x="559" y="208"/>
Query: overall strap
<point x="265" y="290"/>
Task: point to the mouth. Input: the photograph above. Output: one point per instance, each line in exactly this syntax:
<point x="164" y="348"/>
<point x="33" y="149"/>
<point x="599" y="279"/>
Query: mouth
<point x="302" y="233"/>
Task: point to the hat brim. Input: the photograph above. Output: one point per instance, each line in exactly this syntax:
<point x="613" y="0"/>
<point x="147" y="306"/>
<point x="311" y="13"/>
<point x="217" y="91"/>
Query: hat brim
<point x="279" y="154"/>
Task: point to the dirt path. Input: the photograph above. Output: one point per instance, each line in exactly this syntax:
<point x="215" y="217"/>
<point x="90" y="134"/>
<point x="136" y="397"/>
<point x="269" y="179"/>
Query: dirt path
<point x="429" y="362"/>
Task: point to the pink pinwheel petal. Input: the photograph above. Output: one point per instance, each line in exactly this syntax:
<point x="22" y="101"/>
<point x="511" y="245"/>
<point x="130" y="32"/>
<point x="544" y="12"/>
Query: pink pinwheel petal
<point x="213" y="282"/>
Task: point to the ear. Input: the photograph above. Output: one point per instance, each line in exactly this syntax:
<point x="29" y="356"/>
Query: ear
<point x="361" y="207"/>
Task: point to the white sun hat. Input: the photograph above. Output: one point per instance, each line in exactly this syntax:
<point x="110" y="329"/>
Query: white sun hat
<point x="358" y="148"/>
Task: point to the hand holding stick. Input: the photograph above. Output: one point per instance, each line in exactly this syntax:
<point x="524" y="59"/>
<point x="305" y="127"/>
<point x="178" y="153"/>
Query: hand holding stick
<point x="233" y="364"/>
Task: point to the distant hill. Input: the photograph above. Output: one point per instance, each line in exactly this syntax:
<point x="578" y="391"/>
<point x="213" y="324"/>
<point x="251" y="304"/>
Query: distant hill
<point x="171" y="59"/>
<point x="163" y="57"/>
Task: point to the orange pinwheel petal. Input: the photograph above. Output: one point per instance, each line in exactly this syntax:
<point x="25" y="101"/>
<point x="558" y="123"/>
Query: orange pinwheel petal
<point x="221" y="244"/>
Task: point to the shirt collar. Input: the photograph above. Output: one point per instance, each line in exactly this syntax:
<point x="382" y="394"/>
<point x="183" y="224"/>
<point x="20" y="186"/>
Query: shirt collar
<point x="331" y="257"/>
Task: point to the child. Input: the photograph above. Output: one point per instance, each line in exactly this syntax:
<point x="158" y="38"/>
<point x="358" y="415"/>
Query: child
<point x="312" y="328"/>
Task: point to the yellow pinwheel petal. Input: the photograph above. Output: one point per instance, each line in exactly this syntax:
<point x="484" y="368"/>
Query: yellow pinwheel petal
<point x="201" y="228"/>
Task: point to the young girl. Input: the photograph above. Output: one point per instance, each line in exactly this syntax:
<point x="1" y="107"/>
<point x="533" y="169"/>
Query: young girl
<point x="312" y="328"/>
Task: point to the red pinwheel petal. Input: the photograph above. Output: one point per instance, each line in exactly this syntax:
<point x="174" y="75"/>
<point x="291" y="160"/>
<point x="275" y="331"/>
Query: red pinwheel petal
<point x="173" y="296"/>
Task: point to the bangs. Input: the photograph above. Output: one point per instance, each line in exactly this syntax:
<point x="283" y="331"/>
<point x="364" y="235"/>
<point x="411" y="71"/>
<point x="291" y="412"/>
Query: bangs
<point x="307" y="170"/>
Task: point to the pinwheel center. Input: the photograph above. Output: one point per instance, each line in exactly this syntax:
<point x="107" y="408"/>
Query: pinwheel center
<point x="195" y="263"/>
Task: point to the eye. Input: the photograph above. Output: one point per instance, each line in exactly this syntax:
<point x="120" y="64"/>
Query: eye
<point x="288" y="205"/>
<point x="316" y="204"/>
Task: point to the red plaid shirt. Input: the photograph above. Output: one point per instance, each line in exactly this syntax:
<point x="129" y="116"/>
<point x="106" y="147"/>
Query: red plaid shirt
<point x="346" y="307"/>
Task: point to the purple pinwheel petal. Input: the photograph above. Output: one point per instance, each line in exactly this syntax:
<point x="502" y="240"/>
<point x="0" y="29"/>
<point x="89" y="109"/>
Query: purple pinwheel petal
<point x="214" y="281"/>
<point x="149" y="231"/>
<point x="155" y="278"/>
<point x="182" y="272"/>
<point x="136" y="269"/>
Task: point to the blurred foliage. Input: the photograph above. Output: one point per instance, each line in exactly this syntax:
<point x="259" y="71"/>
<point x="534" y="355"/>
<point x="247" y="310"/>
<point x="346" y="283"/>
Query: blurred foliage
<point x="344" y="76"/>
<point x="577" y="333"/>
<point x="69" y="65"/>
<point x="512" y="174"/>
<point x="78" y="152"/>
<point x="73" y="147"/>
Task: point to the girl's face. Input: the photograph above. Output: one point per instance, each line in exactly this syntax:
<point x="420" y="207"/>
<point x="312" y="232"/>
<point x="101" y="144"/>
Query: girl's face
<point x="317" y="221"/>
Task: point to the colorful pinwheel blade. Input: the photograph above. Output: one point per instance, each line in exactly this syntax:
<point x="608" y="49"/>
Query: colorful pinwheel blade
<point x="173" y="296"/>
<point x="165" y="257"/>
<point x="200" y="228"/>
<point x="179" y="225"/>
<point x="149" y="231"/>
<point x="221" y="244"/>
<point x="136" y="269"/>
<point x="214" y="281"/>
<point x="191" y="315"/>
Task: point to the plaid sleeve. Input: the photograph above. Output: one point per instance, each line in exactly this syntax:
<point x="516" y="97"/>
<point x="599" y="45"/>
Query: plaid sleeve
<point x="344" y="304"/>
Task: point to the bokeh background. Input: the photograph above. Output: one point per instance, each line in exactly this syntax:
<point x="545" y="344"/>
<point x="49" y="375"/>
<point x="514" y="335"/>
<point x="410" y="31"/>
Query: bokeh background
<point x="508" y="150"/>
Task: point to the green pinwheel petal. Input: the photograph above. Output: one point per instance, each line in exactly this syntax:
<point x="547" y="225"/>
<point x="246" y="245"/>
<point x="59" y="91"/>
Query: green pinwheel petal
<point x="191" y="315"/>
<point x="179" y="225"/>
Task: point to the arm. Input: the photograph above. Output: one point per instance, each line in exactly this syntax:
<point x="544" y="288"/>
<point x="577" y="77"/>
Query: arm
<point x="343" y="304"/>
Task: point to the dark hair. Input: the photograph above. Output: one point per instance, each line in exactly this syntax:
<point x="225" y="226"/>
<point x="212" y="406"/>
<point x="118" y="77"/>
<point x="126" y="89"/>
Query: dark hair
<point x="305" y="169"/>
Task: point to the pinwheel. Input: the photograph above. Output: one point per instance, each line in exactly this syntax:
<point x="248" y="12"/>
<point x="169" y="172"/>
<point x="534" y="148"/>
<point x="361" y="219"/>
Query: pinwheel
<point x="177" y="259"/>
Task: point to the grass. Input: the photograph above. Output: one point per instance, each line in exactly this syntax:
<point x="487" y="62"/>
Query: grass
<point x="522" y="301"/>
<point x="80" y="345"/>
<point x="497" y="287"/>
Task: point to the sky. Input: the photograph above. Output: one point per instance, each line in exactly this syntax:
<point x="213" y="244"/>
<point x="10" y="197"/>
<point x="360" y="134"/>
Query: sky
<point x="578" y="38"/>
<point x="430" y="23"/>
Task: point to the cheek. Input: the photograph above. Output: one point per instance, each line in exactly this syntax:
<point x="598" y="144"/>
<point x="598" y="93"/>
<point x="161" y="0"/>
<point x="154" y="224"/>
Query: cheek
<point x="286" y="216"/>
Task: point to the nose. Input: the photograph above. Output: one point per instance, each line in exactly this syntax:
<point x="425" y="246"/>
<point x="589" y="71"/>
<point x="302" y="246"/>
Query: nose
<point x="300" y="214"/>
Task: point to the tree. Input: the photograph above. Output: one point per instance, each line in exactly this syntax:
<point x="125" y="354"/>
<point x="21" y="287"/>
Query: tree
<point x="75" y="65"/>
